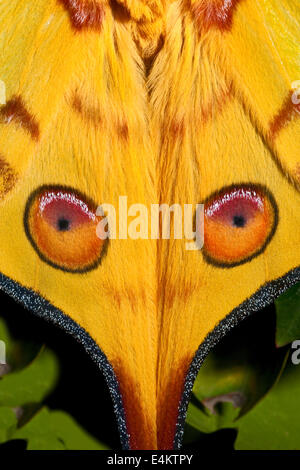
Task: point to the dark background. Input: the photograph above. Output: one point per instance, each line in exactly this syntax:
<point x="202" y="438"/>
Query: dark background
<point x="81" y="390"/>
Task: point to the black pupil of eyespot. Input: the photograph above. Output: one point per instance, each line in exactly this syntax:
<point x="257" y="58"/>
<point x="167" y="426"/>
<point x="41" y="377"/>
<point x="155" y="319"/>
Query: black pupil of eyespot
<point x="63" y="224"/>
<point x="239" y="221"/>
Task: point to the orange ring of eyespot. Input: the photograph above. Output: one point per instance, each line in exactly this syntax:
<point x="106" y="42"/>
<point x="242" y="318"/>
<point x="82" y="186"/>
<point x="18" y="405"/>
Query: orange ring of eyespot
<point x="239" y="222"/>
<point x="61" y="225"/>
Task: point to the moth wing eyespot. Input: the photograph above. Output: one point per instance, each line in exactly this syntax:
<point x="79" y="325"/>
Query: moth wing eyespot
<point x="61" y="225"/>
<point x="239" y="223"/>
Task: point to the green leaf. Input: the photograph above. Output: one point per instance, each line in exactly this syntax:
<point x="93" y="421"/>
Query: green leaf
<point x="274" y="424"/>
<point x="31" y="384"/>
<point x="30" y="377"/>
<point x="5" y="344"/>
<point x="56" y="430"/>
<point x="73" y="436"/>
<point x="18" y="353"/>
<point x="288" y="316"/>
<point x="8" y="423"/>
<point x="39" y="433"/>
<point x="244" y="366"/>
<point x="206" y="421"/>
<point x="4" y="332"/>
<point x="236" y="375"/>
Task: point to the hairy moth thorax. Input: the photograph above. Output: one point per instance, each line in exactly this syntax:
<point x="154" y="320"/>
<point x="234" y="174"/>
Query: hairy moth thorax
<point x="147" y="23"/>
<point x="143" y="10"/>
